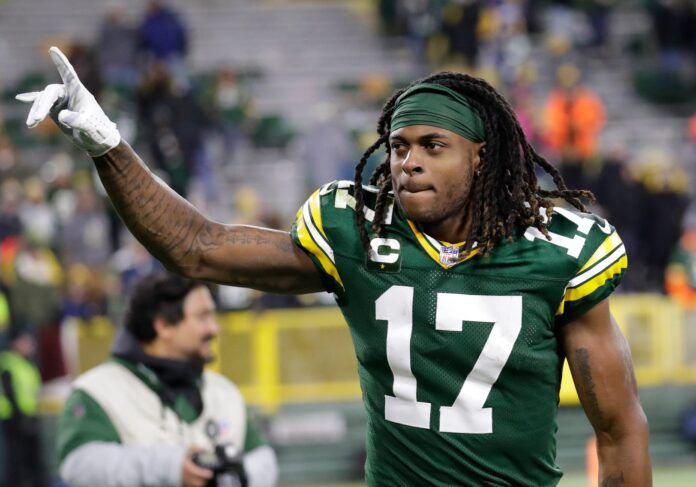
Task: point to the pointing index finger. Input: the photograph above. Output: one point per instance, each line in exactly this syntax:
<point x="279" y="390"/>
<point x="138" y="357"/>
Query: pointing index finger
<point x="65" y="69"/>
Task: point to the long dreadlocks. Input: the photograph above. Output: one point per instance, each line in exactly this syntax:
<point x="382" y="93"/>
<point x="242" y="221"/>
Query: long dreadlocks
<point x="506" y="193"/>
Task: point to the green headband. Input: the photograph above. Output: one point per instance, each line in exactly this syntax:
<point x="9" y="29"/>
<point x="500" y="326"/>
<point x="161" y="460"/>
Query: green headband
<point x="438" y="106"/>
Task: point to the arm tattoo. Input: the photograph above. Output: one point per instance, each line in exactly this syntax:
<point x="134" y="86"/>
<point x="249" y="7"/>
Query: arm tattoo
<point x="185" y="241"/>
<point x="593" y="409"/>
<point x="165" y="223"/>
<point x="213" y="236"/>
<point x="613" y="480"/>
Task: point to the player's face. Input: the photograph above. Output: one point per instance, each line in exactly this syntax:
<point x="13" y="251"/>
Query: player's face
<point x="192" y="337"/>
<point x="432" y="171"/>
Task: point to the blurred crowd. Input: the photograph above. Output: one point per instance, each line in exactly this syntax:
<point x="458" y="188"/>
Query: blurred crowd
<point x="65" y="255"/>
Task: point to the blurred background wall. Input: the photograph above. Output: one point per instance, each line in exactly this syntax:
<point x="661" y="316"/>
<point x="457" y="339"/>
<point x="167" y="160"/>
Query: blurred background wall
<point x="245" y="107"/>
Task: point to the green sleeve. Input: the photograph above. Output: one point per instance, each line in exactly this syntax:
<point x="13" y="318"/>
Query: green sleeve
<point x="600" y="270"/>
<point x="309" y="233"/>
<point x="83" y="421"/>
<point x="254" y="435"/>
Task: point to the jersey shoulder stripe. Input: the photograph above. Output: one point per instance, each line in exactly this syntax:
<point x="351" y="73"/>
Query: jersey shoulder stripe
<point x="601" y="265"/>
<point x="308" y="232"/>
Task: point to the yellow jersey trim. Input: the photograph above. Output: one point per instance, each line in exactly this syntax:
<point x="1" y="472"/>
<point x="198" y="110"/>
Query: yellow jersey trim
<point x="587" y="288"/>
<point x="608" y="246"/>
<point x="311" y="239"/>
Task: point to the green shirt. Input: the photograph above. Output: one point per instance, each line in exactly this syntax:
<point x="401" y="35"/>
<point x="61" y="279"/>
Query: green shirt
<point x="458" y="358"/>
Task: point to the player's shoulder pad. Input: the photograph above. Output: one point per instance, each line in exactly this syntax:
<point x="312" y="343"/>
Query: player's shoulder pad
<point x="578" y="238"/>
<point x="588" y="231"/>
<point x="601" y="260"/>
<point x="342" y="193"/>
<point x="333" y="205"/>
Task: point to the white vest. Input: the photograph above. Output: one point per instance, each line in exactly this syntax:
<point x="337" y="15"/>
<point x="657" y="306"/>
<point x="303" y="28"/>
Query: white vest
<point x="140" y="418"/>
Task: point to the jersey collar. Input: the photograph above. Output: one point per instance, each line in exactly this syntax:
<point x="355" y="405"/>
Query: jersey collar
<point x="446" y="254"/>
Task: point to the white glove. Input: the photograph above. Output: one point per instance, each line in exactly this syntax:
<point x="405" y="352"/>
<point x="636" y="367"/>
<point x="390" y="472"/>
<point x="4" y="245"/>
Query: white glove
<point x="73" y="109"/>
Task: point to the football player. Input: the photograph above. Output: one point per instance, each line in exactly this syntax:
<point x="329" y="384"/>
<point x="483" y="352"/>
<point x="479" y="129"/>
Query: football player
<point x="464" y="287"/>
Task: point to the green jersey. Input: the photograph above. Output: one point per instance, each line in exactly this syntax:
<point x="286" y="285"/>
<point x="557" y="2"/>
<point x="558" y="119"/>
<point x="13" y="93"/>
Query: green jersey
<point x="458" y="356"/>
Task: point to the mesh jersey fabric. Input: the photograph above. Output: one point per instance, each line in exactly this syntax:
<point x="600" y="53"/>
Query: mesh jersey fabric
<point x="458" y="358"/>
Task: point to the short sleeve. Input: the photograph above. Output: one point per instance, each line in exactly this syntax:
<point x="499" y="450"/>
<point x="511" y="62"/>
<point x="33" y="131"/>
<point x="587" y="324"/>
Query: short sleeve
<point x="83" y="421"/>
<point x="254" y="435"/>
<point x="597" y="276"/>
<point x="309" y="234"/>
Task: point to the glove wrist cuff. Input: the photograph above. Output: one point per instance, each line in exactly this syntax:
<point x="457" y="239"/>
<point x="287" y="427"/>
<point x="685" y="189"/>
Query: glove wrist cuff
<point x="112" y="141"/>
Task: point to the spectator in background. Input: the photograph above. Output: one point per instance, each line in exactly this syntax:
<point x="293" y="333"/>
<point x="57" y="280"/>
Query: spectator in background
<point x="35" y="214"/>
<point x="573" y="119"/>
<point x="666" y="187"/>
<point x="680" y="277"/>
<point x="131" y="263"/>
<point x="19" y="407"/>
<point x="163" y="39"/>
<point x="83" y="296"/>
<point x="623" y="198"/>
<point x="138" y="419"/>
<point x="84" y="236"/>
<point x="5" y="317"/>
<point x="117" y="44"/>
<point x="232" y="104"/>
<point x="673" y="23"/>
<point x="176" y="142"/>
<point x="422" y="20"/>
<point x="9" y="155"/>
<point x="34" y="278"/>
<point x="561" y="21"/>
<point x="85" y="63"/>
<point x="505" y="45"/>
<point x="389" y="16"/>
<point x="598" y="14"/>
<point x="460" y="21"/>
<point x="10" y="200"/>
<point x="688" y="153"/>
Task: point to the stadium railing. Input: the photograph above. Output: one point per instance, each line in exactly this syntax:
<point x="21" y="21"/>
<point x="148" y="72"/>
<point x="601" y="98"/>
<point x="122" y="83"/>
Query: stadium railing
<point x="305" y="355"/>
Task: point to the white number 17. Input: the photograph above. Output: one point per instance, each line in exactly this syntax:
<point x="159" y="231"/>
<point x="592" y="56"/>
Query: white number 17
<point x="467" y="414"/>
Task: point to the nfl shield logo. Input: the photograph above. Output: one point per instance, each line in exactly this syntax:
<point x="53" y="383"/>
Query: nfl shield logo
<point x="449" y="255"/>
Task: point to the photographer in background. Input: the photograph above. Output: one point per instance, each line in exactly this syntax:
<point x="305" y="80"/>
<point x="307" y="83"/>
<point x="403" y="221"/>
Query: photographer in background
<point x="151" y="415"/>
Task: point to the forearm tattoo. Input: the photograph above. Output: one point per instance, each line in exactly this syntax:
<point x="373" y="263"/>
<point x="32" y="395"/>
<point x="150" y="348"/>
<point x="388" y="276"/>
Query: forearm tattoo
<point x="213" y="236"/>
<point x="164" y="222"/>
<point x="594" y="411"/>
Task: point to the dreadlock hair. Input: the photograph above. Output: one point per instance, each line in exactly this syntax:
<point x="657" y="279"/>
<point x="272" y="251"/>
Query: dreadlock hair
<point x="505" y="193"/>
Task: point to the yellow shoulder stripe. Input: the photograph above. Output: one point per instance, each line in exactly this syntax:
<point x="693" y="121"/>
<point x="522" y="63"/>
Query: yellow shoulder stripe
<point x="315" y="210"/>
<point x="308" y="242"/>
<point x="587" y="288"/>
<point x="610" y="243"/>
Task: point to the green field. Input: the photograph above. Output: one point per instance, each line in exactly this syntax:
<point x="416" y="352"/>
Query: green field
<point x="662" y="477"/>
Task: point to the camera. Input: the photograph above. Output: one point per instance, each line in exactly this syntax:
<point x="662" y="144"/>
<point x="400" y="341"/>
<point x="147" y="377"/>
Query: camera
<point x="226" y="462"/>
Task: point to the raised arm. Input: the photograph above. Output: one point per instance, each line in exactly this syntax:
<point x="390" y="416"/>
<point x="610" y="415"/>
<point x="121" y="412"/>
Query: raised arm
<point x="600" y="362"/>
<point x="188" y="243"/>
<point x="165" y="223"/>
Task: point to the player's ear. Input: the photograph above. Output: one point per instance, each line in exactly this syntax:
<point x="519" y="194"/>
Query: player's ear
<point x="479" y="155"/>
